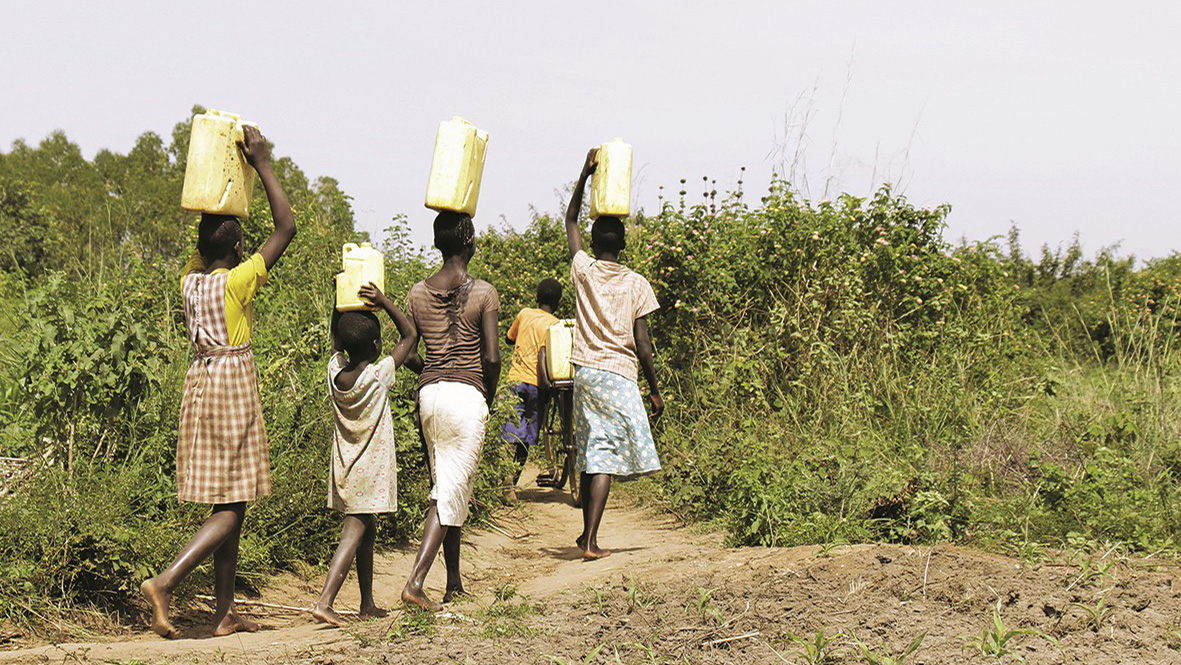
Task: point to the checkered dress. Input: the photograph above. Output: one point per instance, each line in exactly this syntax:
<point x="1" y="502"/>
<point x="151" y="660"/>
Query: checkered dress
<point x="221" y="454"/>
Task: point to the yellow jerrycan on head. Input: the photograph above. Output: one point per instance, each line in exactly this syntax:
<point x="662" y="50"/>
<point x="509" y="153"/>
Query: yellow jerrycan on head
<point x="457" y="167"/>
<point x="218" y="179"/>
<point x="361" y="264"/>
<point x="611" y="184"/>
<point x="559" y="342"/>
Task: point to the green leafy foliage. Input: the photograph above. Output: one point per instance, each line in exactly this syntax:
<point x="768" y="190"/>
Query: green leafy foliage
<point x="834" y="372"/>
<point x="93" y="364"/>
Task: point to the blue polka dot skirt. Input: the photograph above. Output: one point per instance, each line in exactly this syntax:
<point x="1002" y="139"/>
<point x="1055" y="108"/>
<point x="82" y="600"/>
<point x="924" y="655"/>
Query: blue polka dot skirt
<point x="611" y="426"/>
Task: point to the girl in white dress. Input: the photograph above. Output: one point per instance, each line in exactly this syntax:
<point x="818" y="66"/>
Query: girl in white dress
<point x="364" y="479"/>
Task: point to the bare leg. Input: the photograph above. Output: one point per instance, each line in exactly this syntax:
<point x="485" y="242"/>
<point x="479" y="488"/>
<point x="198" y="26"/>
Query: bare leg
<point x="595" y="488"/>
<point x="433" y="533"/>
<point x="369" y="609"/>
<point x="225" y="568"/>
<point x="451" y="559"/>
<point x="352" y="532"/>
<point x="520" y="456"/>
<point x="224" y="520"/>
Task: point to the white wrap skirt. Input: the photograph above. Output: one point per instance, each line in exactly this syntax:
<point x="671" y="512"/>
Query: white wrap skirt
<point x="453" y="417"/>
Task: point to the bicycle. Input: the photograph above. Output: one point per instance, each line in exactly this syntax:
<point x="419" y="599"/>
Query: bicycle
<point x="556" y="405"/>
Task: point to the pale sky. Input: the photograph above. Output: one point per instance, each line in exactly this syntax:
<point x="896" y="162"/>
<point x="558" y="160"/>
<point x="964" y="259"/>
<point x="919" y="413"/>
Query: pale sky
<point x="1058" y="116"/>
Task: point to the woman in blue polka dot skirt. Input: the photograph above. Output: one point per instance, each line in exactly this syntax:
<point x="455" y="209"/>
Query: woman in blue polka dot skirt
<point x="610" y="338"/>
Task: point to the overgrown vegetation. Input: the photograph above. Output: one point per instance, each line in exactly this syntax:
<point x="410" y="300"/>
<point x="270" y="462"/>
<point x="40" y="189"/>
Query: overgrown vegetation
<point x="834" y="372"/>
<point x="92" y="369"/>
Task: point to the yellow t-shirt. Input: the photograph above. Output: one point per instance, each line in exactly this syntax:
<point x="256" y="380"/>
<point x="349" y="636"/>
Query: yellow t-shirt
<point x="528" y="331"/>
<point x="243" y="282"/>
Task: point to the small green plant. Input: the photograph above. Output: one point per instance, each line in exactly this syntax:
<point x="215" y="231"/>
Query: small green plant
<point x="1173" y="639"/>
<point x="1096" y="613"/>
<point x="414" y="621"/>
<point x="883" y="655"/>
<point x="586" y="660"/>
<point x="818" y="650"/>
<point x="363" y="639"/>
<point x="1091" y="569"/>
<point x="998" y="640"/>
<point x="600" y="595"/>
<point x="1031" y="553"/>
<point x="637" y="596"/>
<point x="505" y="592"/>
<point x="649" y="651"/>
<point x="825" y="550"/>
<point x="506" y="616"/>
<point x="705" y="606"/>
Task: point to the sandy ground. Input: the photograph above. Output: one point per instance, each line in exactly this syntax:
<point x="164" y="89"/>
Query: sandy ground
<point x="671" y="594"/>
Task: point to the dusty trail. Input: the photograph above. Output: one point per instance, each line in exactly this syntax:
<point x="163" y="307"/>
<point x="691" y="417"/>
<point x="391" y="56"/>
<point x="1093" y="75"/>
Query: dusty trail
<point x="530" y="546"/>
<point x="672" y="594"/>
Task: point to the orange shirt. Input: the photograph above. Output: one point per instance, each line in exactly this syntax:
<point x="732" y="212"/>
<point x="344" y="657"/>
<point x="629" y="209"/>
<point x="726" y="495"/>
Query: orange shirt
<point x="528" y="331"/>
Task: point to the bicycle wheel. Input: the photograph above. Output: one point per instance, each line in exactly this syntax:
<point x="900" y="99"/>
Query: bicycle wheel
<point x="547" y="473"/>
<point x="570" y="465"/>
<point x="560" y="457"/>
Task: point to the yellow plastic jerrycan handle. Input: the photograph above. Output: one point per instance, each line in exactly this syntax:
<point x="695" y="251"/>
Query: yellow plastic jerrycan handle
<point x="349" y="248"/>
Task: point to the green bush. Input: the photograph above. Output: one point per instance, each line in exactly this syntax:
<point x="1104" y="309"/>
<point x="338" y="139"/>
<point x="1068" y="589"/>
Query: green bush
<point x="833" y="372"/>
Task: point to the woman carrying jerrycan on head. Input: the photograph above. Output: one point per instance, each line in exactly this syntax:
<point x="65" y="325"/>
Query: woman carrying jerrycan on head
<point x="222" y="457"/>
<point x="612" y="303"/>
<point x="456" y="316"/>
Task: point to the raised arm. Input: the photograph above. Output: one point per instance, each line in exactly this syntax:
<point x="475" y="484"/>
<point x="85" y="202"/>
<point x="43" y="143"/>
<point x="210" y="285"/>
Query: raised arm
<point x="259" y="155"/>
<point x="573" y="232"/>
<point x="647" y="360"/>
<point x="409" y="334"/>
<point x="489" y="353"/>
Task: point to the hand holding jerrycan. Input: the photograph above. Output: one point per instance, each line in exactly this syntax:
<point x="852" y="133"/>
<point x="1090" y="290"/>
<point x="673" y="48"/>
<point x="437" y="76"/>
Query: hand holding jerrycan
<point x="457" y="167"/>
<point x="362" y="264"/>
<point x="611" y="184"/>
<point x="218" y="179"/>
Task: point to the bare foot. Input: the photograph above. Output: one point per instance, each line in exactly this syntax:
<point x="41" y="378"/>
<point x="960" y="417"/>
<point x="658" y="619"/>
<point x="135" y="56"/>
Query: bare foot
<point x="233" y="623"/>
<point x="453" y="592"/>
<point x="373" y="612"/>
<point x="329" y="616"/>
<point x="159" y="601"/>
<point x="579" y="542"/>
<point x="417" y="597"/>
<point x="593" y="552"/>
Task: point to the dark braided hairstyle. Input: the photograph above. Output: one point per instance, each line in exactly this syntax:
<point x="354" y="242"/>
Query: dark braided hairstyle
<point x="454" y="232"/>
<point x="218" y="236"/>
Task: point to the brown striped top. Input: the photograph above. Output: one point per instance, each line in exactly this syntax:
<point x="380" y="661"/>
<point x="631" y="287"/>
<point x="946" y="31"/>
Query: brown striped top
<point x="449" y="324"/>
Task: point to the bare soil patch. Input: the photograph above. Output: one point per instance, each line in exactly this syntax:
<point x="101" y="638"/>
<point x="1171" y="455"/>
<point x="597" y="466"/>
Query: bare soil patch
<point x="672" y="594"/>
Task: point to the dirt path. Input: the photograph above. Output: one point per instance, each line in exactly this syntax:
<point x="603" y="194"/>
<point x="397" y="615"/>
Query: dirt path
<point x="671" y="594"/>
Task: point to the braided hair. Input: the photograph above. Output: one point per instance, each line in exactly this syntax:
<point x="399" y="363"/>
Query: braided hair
<point x="454" y="232"/>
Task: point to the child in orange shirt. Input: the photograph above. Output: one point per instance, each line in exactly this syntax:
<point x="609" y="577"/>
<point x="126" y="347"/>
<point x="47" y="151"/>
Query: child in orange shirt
<point x="527" y="335"/>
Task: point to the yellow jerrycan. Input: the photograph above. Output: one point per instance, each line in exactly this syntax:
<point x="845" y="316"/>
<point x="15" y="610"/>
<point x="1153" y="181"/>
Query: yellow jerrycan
<point x="559" y="342"/>
<point x="218" y="178"/>
<point x="611" y="184"/>
<point x="457" y="167"/>
<point x="362" y="264"/>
